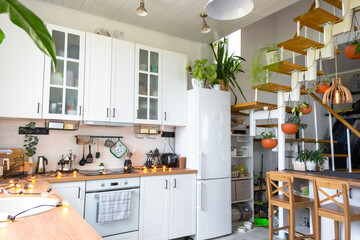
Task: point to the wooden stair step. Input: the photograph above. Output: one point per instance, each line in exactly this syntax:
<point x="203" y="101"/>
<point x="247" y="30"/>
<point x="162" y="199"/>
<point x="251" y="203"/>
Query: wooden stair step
<point x="317" y="17"/>
<point x="255" y="106"/>
<point x="286" y="68"/>
<point x="239" y="113"/>
<point x="272" y="87"/>
<point x="299" y="44"/>
<point x="335" y="3"/>
<point x="307" y="140"/>
<point x="336" y="155"/>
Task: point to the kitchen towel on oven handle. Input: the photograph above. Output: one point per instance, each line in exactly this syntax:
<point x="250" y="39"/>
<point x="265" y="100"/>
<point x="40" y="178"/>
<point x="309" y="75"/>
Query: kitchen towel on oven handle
<point x="114" y="206"/>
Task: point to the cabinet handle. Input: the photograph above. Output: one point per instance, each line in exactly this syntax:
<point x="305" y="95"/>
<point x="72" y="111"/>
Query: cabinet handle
<point x="79" y="192"/>
<point x="38" y="108"/>
<point x="79" y="110"/>
<point x="199" y="197"/>
<point x="107" y="112"/>
<point x="164" y="116"/>
<point x="174" y="183"/>
<point x="113" y="112"/>
<point x="166" y="184"/>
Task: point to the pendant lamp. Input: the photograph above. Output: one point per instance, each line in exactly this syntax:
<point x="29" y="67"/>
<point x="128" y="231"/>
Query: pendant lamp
<point x="205" y="28"/>
<point x="228" y="9"/>
<point x="141" y="11"/>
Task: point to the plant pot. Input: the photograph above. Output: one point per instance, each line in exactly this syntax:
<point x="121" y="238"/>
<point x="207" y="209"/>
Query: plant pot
<point x="310" y="166"/>
<point x="300" y="166"/>
<point x="101" y="168"/>
<point x="216" y="87"/>
<point x="223" y="87"/>
<point x="321" y="88"/>
<point x="350" y="52"/>
<point x="31" y="161"/>
<point x="197" y="83"/>
<point x="305" y="110"/>
<point x="269" y="143"/>
<point x="289" y="128"/>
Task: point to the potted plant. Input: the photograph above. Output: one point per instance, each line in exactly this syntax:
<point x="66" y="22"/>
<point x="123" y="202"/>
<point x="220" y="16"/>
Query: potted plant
<point x="215" y="84"/>
<point x="302" y="108"/>
<point x="292" y="125"/>
<point x="268" y="140"/>
<point x="353" y="51"/>
<point x="201" y="73"/>
<point x="101" y="167"/>
<point x="320" y="86"/>
<point x="257" y="65"/>
<point x="303" y="158"/>
<point x="314" y="158"/>
<point x="30" y="142"/>
<point x="227" y="66"/>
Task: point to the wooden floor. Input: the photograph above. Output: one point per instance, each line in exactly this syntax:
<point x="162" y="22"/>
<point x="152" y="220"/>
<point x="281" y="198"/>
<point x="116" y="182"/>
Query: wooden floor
<point x="257" y="233"/>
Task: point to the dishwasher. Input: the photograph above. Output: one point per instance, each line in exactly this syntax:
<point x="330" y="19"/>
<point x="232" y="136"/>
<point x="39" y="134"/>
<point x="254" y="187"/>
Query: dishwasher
<point x="113" y="230"/>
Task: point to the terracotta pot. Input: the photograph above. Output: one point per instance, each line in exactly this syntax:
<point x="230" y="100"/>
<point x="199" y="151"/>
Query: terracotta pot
<point x="269" y="143"/>
<point x="321" y="88"/>
<point x="305" y="110"/>
<point x="289" y="128"/>
<point x="350" y="52"/>
<point x="222" y="85"/>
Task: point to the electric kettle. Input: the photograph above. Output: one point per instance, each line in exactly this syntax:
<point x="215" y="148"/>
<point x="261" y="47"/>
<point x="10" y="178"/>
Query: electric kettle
<point x="40" y="166"/>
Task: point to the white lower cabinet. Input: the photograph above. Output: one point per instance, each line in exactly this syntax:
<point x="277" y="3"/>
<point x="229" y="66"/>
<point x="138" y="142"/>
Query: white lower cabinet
<point x="74" y="193"/>
<point x="167" y="207"/>
<point x="124" y="236"/>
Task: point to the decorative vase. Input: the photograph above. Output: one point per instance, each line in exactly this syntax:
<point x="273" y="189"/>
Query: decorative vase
<point x="197" y="83"/>
<point x="289" y="128"/>
<point x="350" y="52"/>
<point x="31" y="161"/>
<point x="216" y="87"/>
<point x="310" y="166"/>
<point x="101" y="168"/>
<point x="224" y="87"/>
<point x="321" y="88"/>
<point x="269" y="143"/>
<point x="305" y="110"/>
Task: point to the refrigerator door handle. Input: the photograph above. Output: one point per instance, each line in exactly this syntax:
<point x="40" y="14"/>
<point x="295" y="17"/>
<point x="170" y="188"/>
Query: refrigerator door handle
<point x="199" y="197"/>
<point x="200" y="165"/>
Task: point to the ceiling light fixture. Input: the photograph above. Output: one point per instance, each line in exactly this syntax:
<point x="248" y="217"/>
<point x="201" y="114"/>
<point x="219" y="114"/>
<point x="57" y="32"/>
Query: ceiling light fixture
<point x="228" y="9"/>
<point x="205" y="28"/>
<point x="141" y="11"/>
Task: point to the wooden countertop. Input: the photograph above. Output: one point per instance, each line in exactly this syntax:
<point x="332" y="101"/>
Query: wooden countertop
<point x="62" y="222"/>
<point x="310" y="176"/>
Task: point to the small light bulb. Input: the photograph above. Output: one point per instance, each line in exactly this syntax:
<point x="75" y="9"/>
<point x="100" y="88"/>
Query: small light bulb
<point x="170" y="169"/>
<point x="65" y="203"/>
<point x="337" y="97"/>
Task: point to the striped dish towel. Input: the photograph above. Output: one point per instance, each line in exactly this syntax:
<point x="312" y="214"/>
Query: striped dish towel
<point x="114" y="206"/>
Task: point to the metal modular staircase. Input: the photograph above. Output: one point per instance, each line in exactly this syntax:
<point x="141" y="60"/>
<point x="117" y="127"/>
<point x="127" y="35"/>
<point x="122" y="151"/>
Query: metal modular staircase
<point x="329" y="25"/>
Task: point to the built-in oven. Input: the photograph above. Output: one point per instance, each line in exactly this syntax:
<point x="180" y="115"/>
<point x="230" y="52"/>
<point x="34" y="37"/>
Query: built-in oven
<point x="126" y="226"/>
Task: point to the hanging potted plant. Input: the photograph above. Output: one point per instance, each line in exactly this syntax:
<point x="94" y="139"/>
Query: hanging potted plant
<point x="292" y="125"/>
<point x="353" y="50"/>
<point x="227" y="66"/>
<point x="268" y="140"/>
<point x="268" y="54"/>
<point x="200" y="73"/>
<point x="320" y="86"/>
<point x="302" y="108"/>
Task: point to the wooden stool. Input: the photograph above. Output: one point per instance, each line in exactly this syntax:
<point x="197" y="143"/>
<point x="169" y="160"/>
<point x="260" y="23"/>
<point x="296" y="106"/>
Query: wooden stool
<point x="288" y="201"/>
<point x="334" y="210"/>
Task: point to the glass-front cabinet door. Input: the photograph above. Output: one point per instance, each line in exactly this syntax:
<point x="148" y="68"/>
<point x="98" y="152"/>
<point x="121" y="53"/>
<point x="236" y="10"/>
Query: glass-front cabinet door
<point x="148" y="90"/>
<point x="63" y="88"/>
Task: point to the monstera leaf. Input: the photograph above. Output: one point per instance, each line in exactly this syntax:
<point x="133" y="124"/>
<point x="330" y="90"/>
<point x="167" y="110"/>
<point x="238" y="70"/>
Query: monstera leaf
<point x="31" y="24"/>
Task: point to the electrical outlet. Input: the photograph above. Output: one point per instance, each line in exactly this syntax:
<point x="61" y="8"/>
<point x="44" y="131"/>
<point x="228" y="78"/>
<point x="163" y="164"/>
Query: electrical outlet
<point x="168" y="134"/>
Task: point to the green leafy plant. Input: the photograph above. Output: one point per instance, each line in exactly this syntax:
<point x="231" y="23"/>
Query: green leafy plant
<point x="258" y="61"/>
<point x="200" y="71"/>
<point x="101" y="165"/>
<point x="297" y="109"/>
<point x="30" y="140"/>
<point x="316" y="156"/>
<point x="303" y="156"/>
<point x="269" y="135"/>
<point x="296" y="120"/>
<point x="356" y="42"/>
<point x="227" y="66"/>
<point x="31" y="24"/>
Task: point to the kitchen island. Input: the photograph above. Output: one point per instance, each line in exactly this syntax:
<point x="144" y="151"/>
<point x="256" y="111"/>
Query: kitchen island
<point x="62" y="222"/>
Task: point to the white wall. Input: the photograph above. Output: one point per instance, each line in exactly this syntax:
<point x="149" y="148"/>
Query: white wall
<point x="55" y="144"/>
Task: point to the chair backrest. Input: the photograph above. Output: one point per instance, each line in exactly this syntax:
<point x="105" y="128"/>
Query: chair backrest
<point x="287" y="181"/>
<point x="342" y="188"/>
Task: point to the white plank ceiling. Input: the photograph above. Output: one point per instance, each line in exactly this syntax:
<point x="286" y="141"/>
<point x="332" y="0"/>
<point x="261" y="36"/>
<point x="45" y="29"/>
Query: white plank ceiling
<point x="179" y="18"/>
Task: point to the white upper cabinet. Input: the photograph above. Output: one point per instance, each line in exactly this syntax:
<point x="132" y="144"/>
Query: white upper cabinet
<point x="109" y="80"/>
<point x="122" y="85"/>
<point x="63" y="89"/>
<point x="148" y="85"/>
<point x="21" y="67"/>
<point x="97" y="78"/>
<point x="174" y="89"/>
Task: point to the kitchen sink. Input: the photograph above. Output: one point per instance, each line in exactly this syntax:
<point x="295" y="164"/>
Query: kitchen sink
<point x="15" y="205"/>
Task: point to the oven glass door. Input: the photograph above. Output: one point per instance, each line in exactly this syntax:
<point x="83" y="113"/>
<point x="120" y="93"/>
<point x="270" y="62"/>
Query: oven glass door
<point x="122" y="226"/>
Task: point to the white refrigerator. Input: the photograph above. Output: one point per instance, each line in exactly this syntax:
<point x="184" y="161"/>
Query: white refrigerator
<point x="205" y="142"/>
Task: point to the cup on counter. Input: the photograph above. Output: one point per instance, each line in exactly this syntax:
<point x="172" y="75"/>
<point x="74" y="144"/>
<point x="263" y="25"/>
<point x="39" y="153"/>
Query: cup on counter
<point x="182" y="162"/>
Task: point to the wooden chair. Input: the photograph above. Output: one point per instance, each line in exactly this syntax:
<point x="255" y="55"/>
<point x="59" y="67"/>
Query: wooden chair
<point x="286" y="200"/>
<point x="334" y="210"/>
